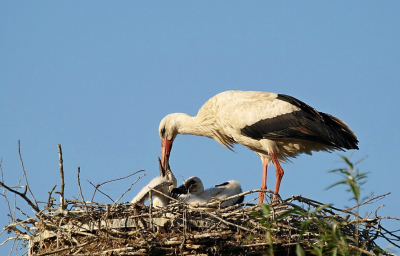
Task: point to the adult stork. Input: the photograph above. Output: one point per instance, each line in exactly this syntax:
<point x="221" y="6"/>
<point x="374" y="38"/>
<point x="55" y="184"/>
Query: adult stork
<point x="275" y="126"/>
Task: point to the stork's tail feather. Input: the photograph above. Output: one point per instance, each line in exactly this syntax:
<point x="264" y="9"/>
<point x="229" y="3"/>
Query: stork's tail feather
<point x="341" y="135"/>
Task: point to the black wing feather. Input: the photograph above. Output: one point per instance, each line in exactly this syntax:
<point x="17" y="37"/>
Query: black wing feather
<point x="306" y="124"/>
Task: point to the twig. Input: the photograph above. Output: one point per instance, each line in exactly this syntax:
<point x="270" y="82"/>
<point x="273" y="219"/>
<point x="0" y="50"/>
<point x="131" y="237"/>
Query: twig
<point x="366" y="202"/>
<point x="8" y="239"/>
<point x="87" y="202"/>
<point x="36" y="208"/>
<point x="98" y="185"/>
<point x="2" y="180"/>
<point x="80" y="189"/>
<point x="388" y="239"/>
<point x="116" y="201"/>
<point x="167" y="196"/>
<point x="68" y="248"/>
<point x="227" y="222"/>
<point x="62" y="203"/>
<point x="150" y="209"/>
<point x="26" y="215"/>
<point x="355" y="248"/>
<point x="49" y="200"/>
<point x="96" y="188"/>
<point x="26" y="178"/>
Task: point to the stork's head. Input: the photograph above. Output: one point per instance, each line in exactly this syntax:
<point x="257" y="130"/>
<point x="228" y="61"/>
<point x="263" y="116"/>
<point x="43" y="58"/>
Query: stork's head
<point x="168" y="131"/>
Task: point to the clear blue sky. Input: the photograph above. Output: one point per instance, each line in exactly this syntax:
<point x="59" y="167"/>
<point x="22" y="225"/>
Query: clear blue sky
<point x="97" y="77"/>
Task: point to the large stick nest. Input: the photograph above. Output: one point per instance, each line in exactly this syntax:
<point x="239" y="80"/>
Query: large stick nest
<point x="124" y="229"/>
<point x="79" y="227"/>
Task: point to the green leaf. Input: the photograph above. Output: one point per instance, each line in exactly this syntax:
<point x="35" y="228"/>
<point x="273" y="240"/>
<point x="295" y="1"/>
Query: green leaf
<point x="347" y="161"/>
<point x="256" y="214"/>
<point x="300" y="251"/>
<point x="322" y="207"/>
<point x="266" y="210"/>
<point x="335" y="184"/>
<point x="356" y="192"/>
<point x="334" y="252"/>
<point x="285" y="214"/>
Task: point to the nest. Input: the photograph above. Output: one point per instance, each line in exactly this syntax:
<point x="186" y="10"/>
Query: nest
<point x="180" y="229"/>
<point x="79" y="227"/>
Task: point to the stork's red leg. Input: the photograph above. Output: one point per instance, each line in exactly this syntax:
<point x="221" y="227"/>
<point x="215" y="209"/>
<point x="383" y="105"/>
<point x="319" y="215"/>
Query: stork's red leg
<point x="279" y="173"/>
<point x="264" y="180"/>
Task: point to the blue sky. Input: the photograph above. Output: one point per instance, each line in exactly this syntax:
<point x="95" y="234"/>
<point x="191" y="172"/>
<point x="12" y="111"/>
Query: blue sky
<point x="97" y="77"/>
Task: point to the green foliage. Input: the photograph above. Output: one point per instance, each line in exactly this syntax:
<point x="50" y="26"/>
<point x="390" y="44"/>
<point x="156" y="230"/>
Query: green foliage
<point x="351" y="177"/>
<point x="331" y="239"/>
<point x="269" y="224"/>
<point x="326" y="230"/>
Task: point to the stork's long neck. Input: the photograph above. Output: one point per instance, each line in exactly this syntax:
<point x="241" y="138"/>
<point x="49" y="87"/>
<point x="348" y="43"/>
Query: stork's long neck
<point x="194" y="125"/>
<point x="203" y="125"/>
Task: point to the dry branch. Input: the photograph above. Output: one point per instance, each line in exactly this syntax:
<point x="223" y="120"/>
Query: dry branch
<point x="80" y="189"/>
<point x="99" y="185"/>
<point x="62" y="203"/>
<point x="25" y="177"/>
<point x="34" y="206"/>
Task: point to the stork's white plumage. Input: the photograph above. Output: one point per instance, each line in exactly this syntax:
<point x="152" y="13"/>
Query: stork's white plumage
<point x="158" y="184"/>
<point x="192" y="192"/>
<point x="275" y="126"/>
<point x="161" y="185"/>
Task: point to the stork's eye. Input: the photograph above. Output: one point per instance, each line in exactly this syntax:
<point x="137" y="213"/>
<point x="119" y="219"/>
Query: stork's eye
<point x="163" y="132"/>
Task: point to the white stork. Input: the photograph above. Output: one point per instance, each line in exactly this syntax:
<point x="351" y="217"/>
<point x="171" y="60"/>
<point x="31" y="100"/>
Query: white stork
<point x="192" y="191"/>
<point x="274" y="126"/>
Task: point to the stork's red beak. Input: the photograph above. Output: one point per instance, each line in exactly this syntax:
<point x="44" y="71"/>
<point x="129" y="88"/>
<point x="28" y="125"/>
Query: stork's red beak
<point x="166" y="146"/>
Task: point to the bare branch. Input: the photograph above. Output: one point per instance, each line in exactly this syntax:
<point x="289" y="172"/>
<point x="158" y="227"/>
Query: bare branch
<point x="80" y="189"/>
<point x="98" y="185"/>
<point x="35" y="207"/>
<point x="8" y="239"/>
<point x="49" y="200"/>
<point x="8" y="202"/>
<point x="69" y="248"/>
<point x="62" y="203"/>
<point x="116" y="201"/>
<point x="97" y="189"/>
<point x="25" y="177"/>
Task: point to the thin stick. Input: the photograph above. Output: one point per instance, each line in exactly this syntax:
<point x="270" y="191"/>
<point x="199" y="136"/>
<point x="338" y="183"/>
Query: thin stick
<point x="49" y="201"/>
<point x="355" y="248"/>
<point x="369" y="201"/>
<point x="8" y="239"/>
<point x="388" y="239"/>
<point x="96" y="188"/>
<point x="36" y="208"/>
<point x="98" y="185"/>
<point x="116" y="201"/>
<point x="227" y="222"/>
<point x="80" y="190"/>
<point x="62" y="203"/>
<point x="4" y="191"/>
<point x="150" y="210"/>
<point x="23" y="169"/>
<point x="68" y="248"/>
